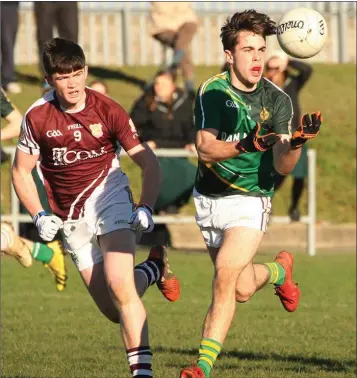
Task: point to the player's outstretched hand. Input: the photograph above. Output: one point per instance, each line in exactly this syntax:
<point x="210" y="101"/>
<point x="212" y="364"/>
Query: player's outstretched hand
<point x="309" y="128"/>
<point x="47" y="225"/>
<point x="254" y="142"/>
<point x="141" y="219"/>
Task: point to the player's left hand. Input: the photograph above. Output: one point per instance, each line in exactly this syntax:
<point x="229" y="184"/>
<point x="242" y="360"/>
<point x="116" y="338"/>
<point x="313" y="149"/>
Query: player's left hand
<point x="141" y="219"/>
<point x="309" y="128"/>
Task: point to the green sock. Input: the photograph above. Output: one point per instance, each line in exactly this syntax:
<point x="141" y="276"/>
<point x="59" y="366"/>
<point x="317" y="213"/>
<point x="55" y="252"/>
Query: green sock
<point x="277" y="273"/>
<point x="41" y="252"/>
<point x="209" y="350"/>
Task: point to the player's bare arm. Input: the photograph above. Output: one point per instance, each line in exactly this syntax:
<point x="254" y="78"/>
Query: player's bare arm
<point x="285" y="158"/>
<point x="23" y="182"/>
<point x="143" y="156"/>
<point x="211" y="150"/>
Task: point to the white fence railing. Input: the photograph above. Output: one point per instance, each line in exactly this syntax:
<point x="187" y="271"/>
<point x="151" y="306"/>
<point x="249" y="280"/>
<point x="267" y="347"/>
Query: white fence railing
<point x="116" y="33"/>
<point x="310" y="220"/>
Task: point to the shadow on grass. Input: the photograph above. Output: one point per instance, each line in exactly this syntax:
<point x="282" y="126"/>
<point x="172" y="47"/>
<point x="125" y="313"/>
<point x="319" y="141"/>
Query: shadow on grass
<point x="24" y="376"/>
<point x="117" y="74"/>
<point x="28" y="79"/>
<point x="97" y="71"/>
<point x="302" y="363"/>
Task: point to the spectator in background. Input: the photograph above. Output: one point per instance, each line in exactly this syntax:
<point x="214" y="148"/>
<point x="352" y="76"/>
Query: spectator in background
<point x="174" y="24"/>
<point x="9" y="27"/>
<point x="99" y="86"/>
<point x="291" y="76"/>
<point x="13" y="118"/>
<point x="164" y="119"/>
<point x="63" y="15"/>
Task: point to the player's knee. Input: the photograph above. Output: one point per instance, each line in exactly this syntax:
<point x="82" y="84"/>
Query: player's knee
<point x="225" y="277"/>
<point x="121" y="290"/>
<point x="243" y="294"/>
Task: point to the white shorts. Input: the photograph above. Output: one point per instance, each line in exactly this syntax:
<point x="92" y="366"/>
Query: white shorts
<point x="109" y="208"/>
<point x="215" y="215"/>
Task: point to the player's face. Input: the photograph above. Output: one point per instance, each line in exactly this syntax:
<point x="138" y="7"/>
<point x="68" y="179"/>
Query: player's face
<point x="70" y="87"/>
<point x="247" y="59"/>
<point x="164" y="87"/>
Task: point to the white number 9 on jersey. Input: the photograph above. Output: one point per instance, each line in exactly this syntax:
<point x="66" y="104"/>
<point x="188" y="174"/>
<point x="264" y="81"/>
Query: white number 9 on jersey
<point x="77" y="135"/>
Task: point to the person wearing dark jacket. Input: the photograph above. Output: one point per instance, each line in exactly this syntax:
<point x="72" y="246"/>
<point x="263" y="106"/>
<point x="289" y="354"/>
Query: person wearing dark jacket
<point x="291" y="76"/>
<point x="164" y="119"/>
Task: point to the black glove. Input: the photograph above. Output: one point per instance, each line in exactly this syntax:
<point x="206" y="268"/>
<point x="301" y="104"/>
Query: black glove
<point x="309" y="129"/>
<point x="254" y="142"/>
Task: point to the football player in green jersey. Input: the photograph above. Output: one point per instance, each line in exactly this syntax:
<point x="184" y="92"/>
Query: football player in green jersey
<point x="244" y="137"/>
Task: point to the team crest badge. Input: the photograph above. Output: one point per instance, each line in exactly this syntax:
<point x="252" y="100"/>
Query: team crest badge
<point x="264" y="114"/>
<point x="96" y="130"/>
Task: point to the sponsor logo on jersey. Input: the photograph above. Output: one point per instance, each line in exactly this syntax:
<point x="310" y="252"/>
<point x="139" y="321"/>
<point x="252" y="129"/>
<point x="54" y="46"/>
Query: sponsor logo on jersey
<point x="53" y="133"/>
<point x="74" y="126"/>
<point x="232" y="137"/>
<point x="96" y="130"/>
<point x="61" y="156"/>
<point x="264" y="114"/>
<point x="231" y="104"/>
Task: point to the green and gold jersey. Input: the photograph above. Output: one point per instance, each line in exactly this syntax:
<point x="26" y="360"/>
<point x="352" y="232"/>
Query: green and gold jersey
<point x="6" y="106"/>
<point x="234" y="114"/>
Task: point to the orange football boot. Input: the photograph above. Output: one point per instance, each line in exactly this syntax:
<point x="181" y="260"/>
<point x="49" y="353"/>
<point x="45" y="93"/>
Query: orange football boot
<point x="192" y="372"/>
<point x="168" y="284"/>
<point x="288" y="292"/>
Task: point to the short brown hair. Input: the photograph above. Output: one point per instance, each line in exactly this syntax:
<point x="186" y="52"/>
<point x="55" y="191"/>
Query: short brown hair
<point x="249" y="20"/>
<point x="62" y="56"/>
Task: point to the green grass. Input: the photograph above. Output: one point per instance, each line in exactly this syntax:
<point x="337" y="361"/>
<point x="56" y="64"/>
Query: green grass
<point x="330" y="90"/>
<point x="46" y="334"/>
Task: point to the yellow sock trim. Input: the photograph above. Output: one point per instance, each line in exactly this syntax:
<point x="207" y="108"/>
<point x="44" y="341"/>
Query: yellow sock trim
<point x="208" y="352"/>
<point x="274" y="272"/>
<point x="211" y="345"/>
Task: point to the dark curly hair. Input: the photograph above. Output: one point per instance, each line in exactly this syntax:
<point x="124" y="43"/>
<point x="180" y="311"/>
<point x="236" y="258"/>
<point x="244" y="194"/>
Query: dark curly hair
<point x="249" y="20"/>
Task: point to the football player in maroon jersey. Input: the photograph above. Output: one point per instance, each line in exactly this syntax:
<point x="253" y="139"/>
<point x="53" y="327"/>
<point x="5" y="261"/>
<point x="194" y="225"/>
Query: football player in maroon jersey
<point x="76" y="132"/>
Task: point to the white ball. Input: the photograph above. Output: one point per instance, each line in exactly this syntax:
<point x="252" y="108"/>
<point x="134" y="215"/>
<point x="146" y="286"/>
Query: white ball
<point x="302" y="32"/>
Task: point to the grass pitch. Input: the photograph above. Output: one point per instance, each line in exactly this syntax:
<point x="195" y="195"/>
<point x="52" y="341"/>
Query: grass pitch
<point x="46" y="334"/>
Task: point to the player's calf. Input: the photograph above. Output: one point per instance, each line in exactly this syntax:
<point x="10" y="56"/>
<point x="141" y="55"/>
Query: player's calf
<point x="244" y="293"/>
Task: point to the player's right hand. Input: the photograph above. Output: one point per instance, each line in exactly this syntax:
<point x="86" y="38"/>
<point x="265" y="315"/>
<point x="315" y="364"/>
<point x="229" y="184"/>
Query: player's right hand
<point x="47" y="225"/>
<point x="254" y="142"/>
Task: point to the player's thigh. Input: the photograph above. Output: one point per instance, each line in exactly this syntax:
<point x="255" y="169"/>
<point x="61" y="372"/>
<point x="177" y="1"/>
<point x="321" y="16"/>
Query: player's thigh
<point x="239" y="247"/>
<point x="95" y="281"/>
<point x="118" y="248"/>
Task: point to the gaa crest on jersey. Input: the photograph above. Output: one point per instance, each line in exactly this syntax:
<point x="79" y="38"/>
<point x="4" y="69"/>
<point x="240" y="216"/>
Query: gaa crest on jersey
<point x="96" y="130"/>
<point x="264" y="114"/>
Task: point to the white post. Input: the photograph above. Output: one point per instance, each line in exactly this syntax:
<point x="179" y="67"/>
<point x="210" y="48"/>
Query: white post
<point x="311" y="237"/>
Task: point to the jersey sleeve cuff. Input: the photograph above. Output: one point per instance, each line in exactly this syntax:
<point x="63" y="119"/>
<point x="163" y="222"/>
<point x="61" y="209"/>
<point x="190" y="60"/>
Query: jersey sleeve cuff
<point x="28" y="150"/>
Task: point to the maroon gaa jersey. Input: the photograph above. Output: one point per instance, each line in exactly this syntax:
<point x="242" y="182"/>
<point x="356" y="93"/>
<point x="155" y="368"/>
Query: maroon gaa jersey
<point x="77" y="148"/>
